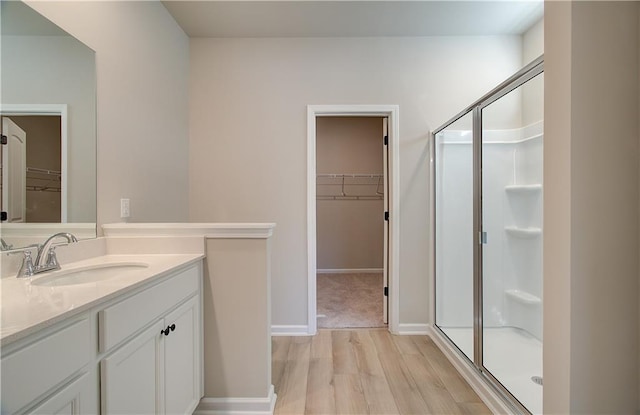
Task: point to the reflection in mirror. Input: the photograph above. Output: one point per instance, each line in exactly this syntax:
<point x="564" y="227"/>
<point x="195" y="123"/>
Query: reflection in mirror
<point x="48" y="114"/>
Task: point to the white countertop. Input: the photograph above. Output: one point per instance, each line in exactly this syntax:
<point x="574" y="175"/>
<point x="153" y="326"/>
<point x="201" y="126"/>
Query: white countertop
<point x="26" y="307"/>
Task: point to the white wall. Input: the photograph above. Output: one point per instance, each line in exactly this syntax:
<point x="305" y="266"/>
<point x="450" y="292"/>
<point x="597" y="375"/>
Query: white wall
<point x="142" y="71"/>
<point x="533" y="42"/>
<point x="34" y="73"/>
<point x="533" y="91"/>
<point x="591" y="207"/>
<point x="248" y="134"/>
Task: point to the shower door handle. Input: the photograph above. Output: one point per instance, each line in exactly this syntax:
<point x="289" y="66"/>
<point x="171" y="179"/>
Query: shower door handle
<point x="483" y="238"/>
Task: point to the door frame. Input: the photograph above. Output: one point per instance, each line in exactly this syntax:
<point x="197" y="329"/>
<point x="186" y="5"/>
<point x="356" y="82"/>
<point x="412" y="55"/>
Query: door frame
<point x="52" y="110"/>
<point x="392" y="113"/>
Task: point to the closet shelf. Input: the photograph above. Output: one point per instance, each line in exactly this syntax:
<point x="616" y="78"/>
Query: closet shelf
<point x="347" y="197"/>
<point x="523" y="297"/>
<point x="524" y="233"/>
<point x="523" y="188"/>
<point x="46" y="172"/>
<point x="349" y="176"/>
<point x="43" y="180"/>
<point x="349" y="186"/>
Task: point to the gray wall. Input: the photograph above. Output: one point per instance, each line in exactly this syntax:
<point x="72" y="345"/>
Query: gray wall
<point x="248" y="100"/>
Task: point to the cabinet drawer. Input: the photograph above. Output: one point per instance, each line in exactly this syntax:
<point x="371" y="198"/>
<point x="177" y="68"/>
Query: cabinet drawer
<point x="121" y="320"/>
<point x="41" y="365"/>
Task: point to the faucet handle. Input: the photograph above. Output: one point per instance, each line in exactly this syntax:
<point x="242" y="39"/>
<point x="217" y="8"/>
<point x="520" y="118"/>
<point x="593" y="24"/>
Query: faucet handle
<point x="52" y="259"/>
<point x="26" y="269"/>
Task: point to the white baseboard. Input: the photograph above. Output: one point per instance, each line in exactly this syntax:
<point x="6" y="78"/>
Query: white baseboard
<point x="239" y="406"/>
<point x="290" y="330"/>
<point x="350" y="271"/>
<point x="488" y="395"/>
<point x="413" y="329"/>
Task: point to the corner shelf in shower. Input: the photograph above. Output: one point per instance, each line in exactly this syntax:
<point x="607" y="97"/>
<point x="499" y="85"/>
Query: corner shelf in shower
<point x="523" y="297"/>
<point x="523" y="233"/>
<point x="523" y="188"/>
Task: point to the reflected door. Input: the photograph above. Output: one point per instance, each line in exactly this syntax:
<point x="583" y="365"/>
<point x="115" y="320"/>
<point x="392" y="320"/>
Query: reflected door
<point x="14" y="170"/>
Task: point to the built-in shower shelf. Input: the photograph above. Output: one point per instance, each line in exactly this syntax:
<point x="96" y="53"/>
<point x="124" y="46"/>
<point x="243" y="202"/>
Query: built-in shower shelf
<point x="524" y="233"/>
<point x="523" y="297"/>
<point x="523" y="188"/>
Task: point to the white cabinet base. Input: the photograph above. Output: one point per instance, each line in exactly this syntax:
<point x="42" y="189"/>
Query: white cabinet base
<point x="125" y="375"/>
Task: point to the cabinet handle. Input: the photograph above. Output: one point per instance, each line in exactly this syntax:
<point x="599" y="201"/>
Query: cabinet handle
<point x="168" y="330"/>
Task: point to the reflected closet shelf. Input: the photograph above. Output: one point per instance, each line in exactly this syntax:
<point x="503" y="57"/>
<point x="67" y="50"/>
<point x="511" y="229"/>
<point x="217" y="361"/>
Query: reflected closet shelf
<point x="523" y="188"/>
<point x="524" y="233"/>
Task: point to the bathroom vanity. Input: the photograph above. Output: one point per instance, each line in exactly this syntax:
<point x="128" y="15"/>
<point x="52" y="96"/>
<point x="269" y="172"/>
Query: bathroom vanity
<point x="111" y="334"/>
<point x="149" y="319"/>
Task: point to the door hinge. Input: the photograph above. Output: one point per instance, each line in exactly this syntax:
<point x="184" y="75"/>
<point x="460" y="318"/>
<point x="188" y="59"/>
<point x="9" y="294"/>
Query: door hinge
<point x="483" y="238"/>
<point x="386" y="140"/>
<point x="386" y="291"/>
<point x="4" y="140"/>
<point x="3" y="216"/>
<point x="386" y="216"/>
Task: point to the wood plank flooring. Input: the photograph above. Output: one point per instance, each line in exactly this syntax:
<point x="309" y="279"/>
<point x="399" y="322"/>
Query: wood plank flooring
<point x="367" y="371"/>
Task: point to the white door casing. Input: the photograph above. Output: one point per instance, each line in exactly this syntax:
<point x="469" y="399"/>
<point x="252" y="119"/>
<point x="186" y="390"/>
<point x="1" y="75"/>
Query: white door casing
<point x="14" y="171"/>
<point x="391" y="112"/>
<point x="385" y="250"/>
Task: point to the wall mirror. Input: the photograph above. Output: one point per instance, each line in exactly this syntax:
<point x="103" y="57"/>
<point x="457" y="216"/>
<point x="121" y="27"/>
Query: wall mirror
<point x="48" y="113"/>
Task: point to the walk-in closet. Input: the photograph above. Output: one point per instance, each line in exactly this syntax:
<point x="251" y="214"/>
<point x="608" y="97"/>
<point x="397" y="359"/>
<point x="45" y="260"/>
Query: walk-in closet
<point x="350" y="206"/>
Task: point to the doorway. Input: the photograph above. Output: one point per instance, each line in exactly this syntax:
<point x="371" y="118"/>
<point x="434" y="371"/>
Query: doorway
<point x="350" y="225"/>
<point x="339" y="187"/>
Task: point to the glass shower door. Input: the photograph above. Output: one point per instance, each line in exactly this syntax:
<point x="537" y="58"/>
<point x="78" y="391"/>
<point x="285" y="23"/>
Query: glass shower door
<point x="511" y="211"/>
<point x="454" y="232"/>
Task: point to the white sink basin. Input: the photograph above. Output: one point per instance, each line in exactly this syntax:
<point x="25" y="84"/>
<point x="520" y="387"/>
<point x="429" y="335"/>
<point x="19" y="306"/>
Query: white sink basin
<point x="89" y="274"/>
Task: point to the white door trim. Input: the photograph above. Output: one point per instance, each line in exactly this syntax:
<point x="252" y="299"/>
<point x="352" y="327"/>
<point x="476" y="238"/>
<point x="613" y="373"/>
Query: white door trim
<point x="49" y="109"/>
<point x="392" y="112"/>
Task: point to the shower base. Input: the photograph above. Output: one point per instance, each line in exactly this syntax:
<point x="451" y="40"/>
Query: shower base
<point x="512" y="356"/>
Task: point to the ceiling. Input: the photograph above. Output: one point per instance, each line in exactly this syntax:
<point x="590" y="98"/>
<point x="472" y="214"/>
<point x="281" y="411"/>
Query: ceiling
<point x="362" y="18"/>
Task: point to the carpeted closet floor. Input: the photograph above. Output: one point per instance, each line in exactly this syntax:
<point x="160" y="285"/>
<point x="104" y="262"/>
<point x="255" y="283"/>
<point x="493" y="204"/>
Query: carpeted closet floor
<point x="349" y="300"/>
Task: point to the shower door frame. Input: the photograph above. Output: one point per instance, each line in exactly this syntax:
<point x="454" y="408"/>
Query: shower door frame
<point x="521" y="77"/>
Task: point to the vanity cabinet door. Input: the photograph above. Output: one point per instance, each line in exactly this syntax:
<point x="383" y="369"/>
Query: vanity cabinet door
<point x="182" y="358"/>
<point x="132" y="377"/>
<point x="77" y="398"/>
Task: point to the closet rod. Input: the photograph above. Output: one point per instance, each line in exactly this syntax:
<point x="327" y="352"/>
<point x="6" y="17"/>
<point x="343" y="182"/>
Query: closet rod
<point x="351" y="176"/>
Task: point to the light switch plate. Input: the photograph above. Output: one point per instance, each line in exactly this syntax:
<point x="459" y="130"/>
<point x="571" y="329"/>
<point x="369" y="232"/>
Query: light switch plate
<point x="124" y="208"/>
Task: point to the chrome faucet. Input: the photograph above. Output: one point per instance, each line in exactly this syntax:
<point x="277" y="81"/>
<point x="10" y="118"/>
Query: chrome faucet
<point x="46" y="259"/>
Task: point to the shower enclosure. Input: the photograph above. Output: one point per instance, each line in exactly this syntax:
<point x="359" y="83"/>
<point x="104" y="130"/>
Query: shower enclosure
<point x="488" y="235"/>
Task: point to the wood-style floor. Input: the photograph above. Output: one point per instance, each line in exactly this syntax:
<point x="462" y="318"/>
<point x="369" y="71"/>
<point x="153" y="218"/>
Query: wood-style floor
<point x="367" y="371"/>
